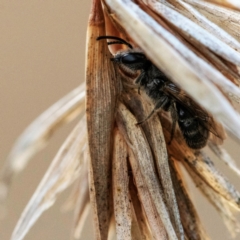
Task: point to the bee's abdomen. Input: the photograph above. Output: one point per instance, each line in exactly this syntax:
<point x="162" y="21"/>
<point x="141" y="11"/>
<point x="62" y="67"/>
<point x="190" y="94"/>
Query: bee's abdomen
<point x="195" y="135"/>
<point x="192" y="129"/>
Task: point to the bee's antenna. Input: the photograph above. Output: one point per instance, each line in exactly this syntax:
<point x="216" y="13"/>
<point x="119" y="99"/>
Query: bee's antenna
<point x="119" y="40"/>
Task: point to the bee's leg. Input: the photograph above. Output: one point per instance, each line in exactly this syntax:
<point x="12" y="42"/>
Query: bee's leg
<point x="140" y="80"/>
<point x="174" y="122"/>
<point x="139" y="88"/>
<point x="130" y="85"/>
<point x="160" y="104"/>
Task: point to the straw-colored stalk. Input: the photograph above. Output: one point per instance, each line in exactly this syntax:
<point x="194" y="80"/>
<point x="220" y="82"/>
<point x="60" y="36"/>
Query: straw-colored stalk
<point x="129" y="175"/>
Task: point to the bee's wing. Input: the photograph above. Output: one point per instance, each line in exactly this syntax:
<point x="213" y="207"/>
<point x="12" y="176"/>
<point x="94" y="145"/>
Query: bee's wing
<point x="216" y="129"/>
<point x="221" y="134"/>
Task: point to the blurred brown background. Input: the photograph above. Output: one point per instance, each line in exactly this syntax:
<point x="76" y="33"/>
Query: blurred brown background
<point x="42" y="52"/>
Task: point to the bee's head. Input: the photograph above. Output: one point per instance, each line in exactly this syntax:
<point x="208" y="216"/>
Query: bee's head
<point x="128" y="59"/>
<point x="132" y="60"/>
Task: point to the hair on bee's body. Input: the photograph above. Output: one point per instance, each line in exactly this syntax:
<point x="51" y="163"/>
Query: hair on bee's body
<point x="194" y="122"/>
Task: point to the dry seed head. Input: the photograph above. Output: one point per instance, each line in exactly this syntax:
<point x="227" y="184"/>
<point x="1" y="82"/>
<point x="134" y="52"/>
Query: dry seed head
<point x="134" y="178"/>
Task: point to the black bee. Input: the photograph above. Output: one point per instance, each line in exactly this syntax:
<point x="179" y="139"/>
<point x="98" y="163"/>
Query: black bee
<point x="194" y="122"/>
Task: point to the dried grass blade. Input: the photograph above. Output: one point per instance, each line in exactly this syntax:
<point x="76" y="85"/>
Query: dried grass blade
<point x="158" y="146"/>
<point x="139" y="217"/>
<point x="227" y="3"/>
<point x="36" y="136"/>
<point x="82" y="206"/>
<point x="80" y="202"/>
<point x="136" y="231"/>
<point x="193" y="32"/>
<point x="190" y="219"/>
<point x="101" y="99"/>
<point x="64" y="169"/>
<point x="225" y="18"/>
<point x="140" y="27"/>
<point x="112" y="229"/>
<point x="204" y="69"/>
<point x="153" y="217"/>
<point x="72" y="199"/>
<point x="201" y="165"/>
<point x="222" y="154"/>
<point x="202" y="52"/>
<point x="205" y="169"/>
<point x="78" y="231"/>
<point x="154" y="134"/>
<point x="121" y="201"/>
<point x="222" y="206"/>
<point x="142" y="164"/>
<point x="211" y="27"/>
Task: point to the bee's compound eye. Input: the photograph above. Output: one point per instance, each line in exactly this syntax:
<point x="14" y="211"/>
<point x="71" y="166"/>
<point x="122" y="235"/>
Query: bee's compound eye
<point x="133" y="58"/>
